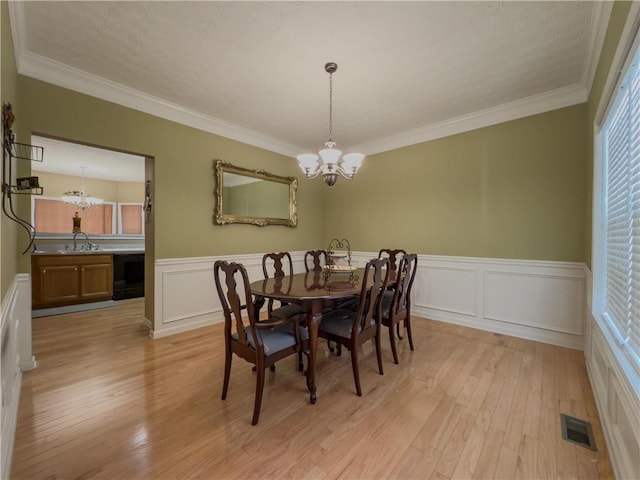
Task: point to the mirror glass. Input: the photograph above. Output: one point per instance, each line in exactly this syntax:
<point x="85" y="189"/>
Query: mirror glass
<point x="254" y="196"/>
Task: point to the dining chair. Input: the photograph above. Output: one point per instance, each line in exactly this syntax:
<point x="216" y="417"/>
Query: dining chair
<point x="314" y="260"/>
<point x="392" y="255"/>
<point x="274" y="265"/>
<point x="261" y="343"/>
<point x="352" y="328"/>
<point x="396" y="302"/>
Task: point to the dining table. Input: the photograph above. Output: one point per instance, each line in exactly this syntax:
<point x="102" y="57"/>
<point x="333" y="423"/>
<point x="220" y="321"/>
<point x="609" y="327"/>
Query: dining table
<point x="313" y="291"/>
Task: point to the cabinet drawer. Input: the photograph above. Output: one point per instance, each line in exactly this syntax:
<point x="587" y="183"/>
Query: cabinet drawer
<point x="65" y="259"/>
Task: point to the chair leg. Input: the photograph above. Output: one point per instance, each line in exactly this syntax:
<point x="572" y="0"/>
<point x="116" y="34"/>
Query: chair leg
<point x="392" y="339"/>
<point x="379" y="352"/>
<point x="356" y="370"/>
<point x="259" y="388"/>
<point x="407" y="325"/>
<point x="227" y="371"/>
<point x="300" y="364"/>
<point x="398" y="331"/>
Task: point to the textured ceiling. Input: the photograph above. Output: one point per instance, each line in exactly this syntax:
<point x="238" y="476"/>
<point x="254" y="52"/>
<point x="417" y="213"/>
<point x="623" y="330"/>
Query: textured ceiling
<point x="254" y="71"/>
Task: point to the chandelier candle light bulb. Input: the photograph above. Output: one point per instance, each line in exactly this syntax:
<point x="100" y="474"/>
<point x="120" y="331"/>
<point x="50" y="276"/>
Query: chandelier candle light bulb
<point x="332" y="163"/>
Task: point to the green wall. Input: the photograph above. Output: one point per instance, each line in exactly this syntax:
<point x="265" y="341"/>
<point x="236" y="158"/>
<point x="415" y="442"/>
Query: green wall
<point x="513" y="190"/>
<point x="184" y="175"/>
<point x="521" y="189"/>
<point x="8" y="93"/>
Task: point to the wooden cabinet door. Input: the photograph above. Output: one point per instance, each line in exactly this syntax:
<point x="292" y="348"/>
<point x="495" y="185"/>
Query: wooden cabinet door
<point x="59" y="284"/>
<point x="96" y="281"/>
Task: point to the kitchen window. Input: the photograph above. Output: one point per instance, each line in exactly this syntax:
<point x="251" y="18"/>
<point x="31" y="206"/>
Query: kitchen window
<point x="52" y="215"/>
<point x="130" y="219"/>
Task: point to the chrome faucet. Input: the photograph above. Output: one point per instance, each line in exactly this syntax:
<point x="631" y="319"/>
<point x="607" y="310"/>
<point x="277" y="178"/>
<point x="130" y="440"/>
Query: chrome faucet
<point x="86" y="237"/>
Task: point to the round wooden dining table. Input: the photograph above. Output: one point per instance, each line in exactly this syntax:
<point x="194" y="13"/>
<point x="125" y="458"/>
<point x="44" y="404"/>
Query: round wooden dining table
<point x="313" y="291"/>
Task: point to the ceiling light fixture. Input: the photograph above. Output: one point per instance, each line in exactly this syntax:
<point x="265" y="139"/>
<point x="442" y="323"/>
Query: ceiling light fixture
<point x="332" y="164"/>
<point x="80" y="198"/>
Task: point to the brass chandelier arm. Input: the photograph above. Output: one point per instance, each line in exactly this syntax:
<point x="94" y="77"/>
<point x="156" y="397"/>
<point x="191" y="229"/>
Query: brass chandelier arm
<point x="324" y="170"/>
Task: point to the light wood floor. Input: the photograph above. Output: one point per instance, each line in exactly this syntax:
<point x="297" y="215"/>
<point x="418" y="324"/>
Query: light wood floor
<point x="108" y="402"/>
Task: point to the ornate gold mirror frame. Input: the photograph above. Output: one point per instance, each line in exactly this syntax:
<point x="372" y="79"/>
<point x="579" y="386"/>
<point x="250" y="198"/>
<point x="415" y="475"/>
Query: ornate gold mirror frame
<point x="254" y="196"/>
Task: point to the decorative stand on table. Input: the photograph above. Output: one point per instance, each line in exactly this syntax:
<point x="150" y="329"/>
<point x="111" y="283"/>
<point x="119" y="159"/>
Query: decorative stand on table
<point x="339" y="253"/>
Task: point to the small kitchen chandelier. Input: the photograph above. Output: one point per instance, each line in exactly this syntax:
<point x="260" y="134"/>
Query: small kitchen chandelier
<point x="80" y="199"/>
<point x="332" y="164"/>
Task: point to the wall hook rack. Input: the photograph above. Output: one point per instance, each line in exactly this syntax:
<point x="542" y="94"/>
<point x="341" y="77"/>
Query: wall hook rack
<point x="19" y="186"/>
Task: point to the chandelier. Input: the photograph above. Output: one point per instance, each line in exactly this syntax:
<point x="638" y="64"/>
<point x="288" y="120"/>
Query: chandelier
<point x="332" y="163"/>
<point x="79" y="198"/>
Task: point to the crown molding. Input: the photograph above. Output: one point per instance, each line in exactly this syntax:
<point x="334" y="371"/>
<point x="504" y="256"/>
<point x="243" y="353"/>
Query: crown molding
<point x="533" y="105"/>
<point x="18" y="29"/>
<point x="62" y="75"/>
<point x="628" y="37"/>
<point x="65" y="76"/>
<point x="598" y="29"/>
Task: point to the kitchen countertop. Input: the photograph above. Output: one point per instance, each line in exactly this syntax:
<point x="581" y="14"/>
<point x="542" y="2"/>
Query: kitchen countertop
<point x="101" y="250"/>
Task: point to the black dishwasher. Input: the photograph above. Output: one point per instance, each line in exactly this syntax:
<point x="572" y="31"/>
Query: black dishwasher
<point x="128" y="275"/>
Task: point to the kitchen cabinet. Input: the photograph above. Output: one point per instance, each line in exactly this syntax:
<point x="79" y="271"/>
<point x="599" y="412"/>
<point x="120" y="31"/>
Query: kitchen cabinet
<point x="67" y="279"/>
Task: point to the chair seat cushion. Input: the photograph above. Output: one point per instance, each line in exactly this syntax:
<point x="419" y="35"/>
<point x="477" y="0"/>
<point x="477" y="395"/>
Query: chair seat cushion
<point x="340" y="323"/>
<point x="349" y="303"/>
<point x="287" y="311"/>
<point x="387" y="298"/>
<point x="276" y="339"/>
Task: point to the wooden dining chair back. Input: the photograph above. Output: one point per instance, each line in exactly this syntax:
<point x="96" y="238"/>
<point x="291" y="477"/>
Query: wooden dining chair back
<point x="274" y="265"/>
<point x="351" y="328"/>
<point x="261" y="343"/>
<point x="396" y="302"/>
<point x="392" y="255"/>
<point x="314" y="260"/>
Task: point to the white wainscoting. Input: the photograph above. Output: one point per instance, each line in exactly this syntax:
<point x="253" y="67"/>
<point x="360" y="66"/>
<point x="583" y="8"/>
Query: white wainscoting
<point x="185" y="292"/>
<point x="16" y="358"/>
<point x="540" y="301"/>
<point x="617" y="401"/>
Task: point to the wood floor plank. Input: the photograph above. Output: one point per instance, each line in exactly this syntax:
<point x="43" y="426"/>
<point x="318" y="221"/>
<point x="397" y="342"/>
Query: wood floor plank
<point x="506" y="464"/>
<point x="488" y="458"/>
<point x="108" y="402"/>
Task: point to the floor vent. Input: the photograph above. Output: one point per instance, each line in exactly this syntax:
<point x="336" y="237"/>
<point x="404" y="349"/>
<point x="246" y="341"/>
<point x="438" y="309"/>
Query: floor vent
<point x="577" y="431"/>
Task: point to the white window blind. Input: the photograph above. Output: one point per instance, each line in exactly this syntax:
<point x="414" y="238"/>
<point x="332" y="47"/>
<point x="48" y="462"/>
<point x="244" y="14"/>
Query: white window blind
<point x="622" y="217"/>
